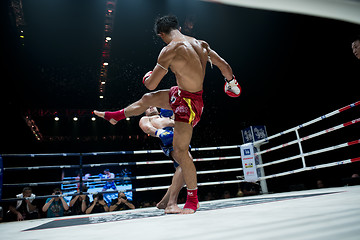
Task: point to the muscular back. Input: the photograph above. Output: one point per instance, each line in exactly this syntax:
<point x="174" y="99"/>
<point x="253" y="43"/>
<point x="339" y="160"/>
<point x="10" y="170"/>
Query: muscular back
<point x="187" y="58"/>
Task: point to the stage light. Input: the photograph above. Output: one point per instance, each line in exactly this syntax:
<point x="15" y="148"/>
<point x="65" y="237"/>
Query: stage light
<point x="56" y="118"/>
<point x="93" y="119"/>
<point x="75" y="119"/>
<point x="101" y="97"/>
<point x="103" y="83"/>
<point x="127" y="119"/>
<point x="105" y="63"/>
<point x="108" y="38"/>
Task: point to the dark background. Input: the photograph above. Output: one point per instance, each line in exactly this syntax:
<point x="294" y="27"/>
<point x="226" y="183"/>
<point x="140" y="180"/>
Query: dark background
<point x="292" y="68"/>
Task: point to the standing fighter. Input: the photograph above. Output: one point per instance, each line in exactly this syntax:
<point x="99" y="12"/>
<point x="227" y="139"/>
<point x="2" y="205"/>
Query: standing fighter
<point x="161" y="125"/>
<point x="110" y="183"/>
<point x="187" y="58"/>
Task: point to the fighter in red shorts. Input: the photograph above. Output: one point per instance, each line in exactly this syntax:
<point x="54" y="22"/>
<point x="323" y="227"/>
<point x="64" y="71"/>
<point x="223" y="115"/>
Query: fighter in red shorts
<point x="187" y="58"/>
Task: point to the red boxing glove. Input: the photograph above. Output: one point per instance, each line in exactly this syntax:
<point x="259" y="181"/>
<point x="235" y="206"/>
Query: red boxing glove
<point x="147" y="75"/>
<point x="232" y="87"/>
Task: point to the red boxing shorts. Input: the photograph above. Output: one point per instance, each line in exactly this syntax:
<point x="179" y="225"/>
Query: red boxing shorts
<point x="187" y="106"/>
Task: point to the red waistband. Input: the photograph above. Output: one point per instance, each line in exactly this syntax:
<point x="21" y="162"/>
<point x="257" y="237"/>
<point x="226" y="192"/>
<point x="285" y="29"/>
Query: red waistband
<point x="192" y="95"/>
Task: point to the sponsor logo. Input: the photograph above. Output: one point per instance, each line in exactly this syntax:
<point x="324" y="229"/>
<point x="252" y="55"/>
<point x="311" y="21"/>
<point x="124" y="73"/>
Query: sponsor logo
<point x="248" y="165"/>
<point x="181" y="109"/>
<point x="247" y="152"/>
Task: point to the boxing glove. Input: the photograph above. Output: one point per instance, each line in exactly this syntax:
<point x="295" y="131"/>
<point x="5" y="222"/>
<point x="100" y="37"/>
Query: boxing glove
<point x="147" y="75"/>
<point x="165" y="113"/>
<point x="232" y="87"/>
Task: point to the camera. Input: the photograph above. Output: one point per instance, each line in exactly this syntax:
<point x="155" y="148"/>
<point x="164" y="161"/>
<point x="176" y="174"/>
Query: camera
<point x="99" y="196"/>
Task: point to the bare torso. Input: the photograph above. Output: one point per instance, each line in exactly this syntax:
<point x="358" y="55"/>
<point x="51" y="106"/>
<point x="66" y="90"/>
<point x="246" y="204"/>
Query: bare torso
<point x="189" y="62"/>
<point x="159" y="122"/>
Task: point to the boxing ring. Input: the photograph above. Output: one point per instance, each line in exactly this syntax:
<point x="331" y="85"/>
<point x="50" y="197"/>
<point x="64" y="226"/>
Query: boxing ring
<point x="331" y="213"/>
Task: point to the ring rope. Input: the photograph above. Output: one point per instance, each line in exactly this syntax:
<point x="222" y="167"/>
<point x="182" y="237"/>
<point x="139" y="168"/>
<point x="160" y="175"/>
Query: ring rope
<point x="351" y="160"/>
<point x="116" y="164"/>
<point x="113" y="153"/>
<point x="310" y="136"/>
<point x="113" y="179"/>
<point x="309" y="153"/>
<point x="109" y="192"/>
<point x="256" y="143"/>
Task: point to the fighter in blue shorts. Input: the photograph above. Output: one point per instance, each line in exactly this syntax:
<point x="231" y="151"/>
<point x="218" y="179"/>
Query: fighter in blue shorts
<point x="161" y="125"/>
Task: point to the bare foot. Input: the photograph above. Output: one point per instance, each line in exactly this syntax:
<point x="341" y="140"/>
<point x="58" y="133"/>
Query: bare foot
<point x="189" y="210"/>
<point x="102" y="115"/>
<point x="172" y="209"/>
<point x="161" y="205"/>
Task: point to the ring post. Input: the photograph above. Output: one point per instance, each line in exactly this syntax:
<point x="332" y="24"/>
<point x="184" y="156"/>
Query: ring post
<point x="254" y="134"/>
<point x="81" y="173"/>
<point x="300" y="147"/>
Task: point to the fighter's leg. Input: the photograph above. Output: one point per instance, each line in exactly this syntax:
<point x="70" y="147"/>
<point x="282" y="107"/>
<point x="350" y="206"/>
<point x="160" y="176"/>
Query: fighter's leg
<point x="176" y="185"/>
<point x="156" y="99"/>
<point x="182" y="137"/>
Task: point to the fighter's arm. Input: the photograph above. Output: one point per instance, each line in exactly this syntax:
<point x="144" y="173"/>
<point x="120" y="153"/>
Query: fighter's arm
<point x="161" y="68"/>
<point x="218" y="61"/>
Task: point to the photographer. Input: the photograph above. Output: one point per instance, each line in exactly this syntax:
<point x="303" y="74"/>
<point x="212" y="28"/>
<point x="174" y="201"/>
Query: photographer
<point x="79" y="203"/>
<point x="98" y="205"/>
<point x="121" y="203"/>
<point x="55" y="207"/>
<point x="24" y="209"/>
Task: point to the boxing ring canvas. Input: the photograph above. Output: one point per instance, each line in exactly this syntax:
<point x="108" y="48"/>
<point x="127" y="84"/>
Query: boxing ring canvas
<point x="332" y="213"/>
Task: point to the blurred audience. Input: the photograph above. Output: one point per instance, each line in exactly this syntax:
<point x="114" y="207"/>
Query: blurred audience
<point x="24" y="209"/>
<point x="79" y="203"/>
<point x="121" y="203"/>
<point x="98" y="205"/>
<point x="356" y="47"/>
<point x="55" y="206"/>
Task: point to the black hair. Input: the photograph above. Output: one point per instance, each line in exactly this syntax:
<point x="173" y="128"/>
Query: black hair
<point x="165" y="24"/>
<point x="26" y="189"/>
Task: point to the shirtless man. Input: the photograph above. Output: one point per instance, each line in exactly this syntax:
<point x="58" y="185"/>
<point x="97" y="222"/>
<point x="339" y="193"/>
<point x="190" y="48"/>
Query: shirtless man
<point x="161" y="125"/>
<point x="356" y="47"/>
<point x="187" y="59"/>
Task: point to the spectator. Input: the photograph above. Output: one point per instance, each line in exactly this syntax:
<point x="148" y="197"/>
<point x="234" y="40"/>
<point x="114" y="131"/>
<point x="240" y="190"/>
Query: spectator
<point x="1" y="214"/>
<point x="320" y="184"/>
<point x="98" y="205"/>
<point x="226" y="194"/>
<point x="352" y="181"/>
<point x="249" y="188"/>
<point x="121" y="203"/>
<point x="145" y="204"/>
<point x="79" y="203"/>
<point x="356" y="47"/>
<point x="209" y="196"/>
<point x="25" y="209"/>
<point x="55" y="206"/>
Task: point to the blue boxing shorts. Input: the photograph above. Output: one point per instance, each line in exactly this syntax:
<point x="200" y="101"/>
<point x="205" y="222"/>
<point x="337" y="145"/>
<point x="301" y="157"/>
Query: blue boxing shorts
<point x="169" y="148"/>
<point x="109" y="185"/>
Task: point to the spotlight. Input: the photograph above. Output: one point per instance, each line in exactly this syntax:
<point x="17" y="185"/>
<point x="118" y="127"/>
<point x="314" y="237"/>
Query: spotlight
<point x="56" y="118"/>
<point x="108" y="38"/>
<point x="75" y="119"/>
<point x="105" y="63"/>
<point x="127" y="119"/>
<point x="101" y="96"/>
<point x="93" y="119"/>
